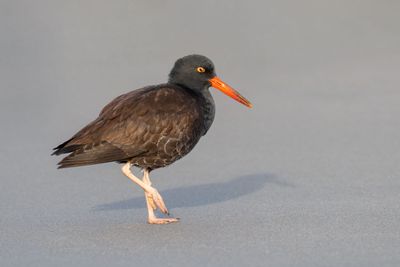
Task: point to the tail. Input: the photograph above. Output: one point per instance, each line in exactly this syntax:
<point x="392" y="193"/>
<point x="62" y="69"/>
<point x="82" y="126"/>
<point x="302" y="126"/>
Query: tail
<point x="64" y="148"/>
<point x="90" y="154"/>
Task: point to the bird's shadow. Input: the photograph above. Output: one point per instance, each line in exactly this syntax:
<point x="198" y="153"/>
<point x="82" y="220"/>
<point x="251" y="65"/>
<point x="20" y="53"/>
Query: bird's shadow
<point x="204" y="194"/>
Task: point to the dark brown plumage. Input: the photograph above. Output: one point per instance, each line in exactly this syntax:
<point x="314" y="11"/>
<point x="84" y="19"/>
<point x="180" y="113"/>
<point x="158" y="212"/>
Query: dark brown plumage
<point x="151" y="127"/>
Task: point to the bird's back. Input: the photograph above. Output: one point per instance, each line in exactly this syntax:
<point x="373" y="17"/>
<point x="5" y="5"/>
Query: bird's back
<point x="152" y="127"/>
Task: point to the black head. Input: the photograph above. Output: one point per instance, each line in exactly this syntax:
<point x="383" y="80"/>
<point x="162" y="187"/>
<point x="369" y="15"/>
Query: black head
<point x="197" y="72"/>
<point x="193" y="71"/>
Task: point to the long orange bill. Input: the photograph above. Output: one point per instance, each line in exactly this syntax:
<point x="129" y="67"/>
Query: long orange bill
<point x="229" y="91"/>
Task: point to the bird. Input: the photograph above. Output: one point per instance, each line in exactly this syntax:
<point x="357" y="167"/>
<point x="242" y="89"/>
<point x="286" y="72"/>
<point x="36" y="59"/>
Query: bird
<point x="151" y="127"/>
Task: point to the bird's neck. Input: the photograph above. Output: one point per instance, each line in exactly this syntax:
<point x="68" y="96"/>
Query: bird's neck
<point x="206" y="104"/>
<point x="208" y="108"/>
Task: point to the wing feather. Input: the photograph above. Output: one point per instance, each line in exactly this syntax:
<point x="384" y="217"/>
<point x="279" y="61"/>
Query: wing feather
<point x="131" y="125"/>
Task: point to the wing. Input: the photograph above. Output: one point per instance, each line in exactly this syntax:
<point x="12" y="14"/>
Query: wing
<point x="132" y="125"/>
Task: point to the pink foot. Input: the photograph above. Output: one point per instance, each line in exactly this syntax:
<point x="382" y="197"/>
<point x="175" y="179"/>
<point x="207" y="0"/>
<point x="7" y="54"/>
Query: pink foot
<point x="162" y="220"/>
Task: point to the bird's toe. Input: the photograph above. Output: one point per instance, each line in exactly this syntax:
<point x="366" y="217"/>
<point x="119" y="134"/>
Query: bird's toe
<point x="162" y="220"/>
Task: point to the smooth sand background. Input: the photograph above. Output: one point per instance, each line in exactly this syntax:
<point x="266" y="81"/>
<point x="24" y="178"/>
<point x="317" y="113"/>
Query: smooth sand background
<point x="308" y="177"/>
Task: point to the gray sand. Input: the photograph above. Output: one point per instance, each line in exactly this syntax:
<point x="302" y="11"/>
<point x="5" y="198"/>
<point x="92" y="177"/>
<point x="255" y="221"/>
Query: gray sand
<point x="308" y="177"/>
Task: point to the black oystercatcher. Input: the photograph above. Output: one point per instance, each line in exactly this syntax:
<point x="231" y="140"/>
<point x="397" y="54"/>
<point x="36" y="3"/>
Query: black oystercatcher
<point x="151" y="127"/>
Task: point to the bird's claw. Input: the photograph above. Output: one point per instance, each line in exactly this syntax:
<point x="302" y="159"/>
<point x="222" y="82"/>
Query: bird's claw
<point x="156" y="200"/>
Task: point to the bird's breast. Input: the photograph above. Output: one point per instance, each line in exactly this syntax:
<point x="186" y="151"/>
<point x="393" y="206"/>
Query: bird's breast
<point x="163" y="150"/>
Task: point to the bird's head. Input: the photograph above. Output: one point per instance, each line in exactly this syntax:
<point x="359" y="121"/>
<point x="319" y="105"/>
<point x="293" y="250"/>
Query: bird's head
<point x="197" y="73"/>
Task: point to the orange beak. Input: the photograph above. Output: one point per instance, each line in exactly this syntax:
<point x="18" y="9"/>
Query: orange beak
<point x="229" y="91"/>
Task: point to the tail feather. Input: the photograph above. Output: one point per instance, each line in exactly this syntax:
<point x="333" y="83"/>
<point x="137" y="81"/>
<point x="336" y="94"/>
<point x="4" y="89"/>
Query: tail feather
<point x="64" y="148"/>
<point x="94" y="154"/>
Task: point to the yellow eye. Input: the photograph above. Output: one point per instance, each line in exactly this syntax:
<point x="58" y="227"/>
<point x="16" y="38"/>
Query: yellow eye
<point x="200" y="69"/>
